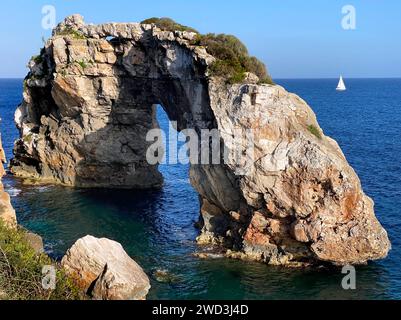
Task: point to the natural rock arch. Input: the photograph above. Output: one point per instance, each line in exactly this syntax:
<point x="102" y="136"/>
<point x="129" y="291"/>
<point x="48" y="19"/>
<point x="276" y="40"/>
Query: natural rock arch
<point x="89" y="103"/>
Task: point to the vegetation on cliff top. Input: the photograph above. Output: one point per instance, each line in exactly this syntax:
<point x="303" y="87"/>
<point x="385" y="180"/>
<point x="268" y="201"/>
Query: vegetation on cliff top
<point x="168" y="24"/>
<point x="21" y="271"/>
<point x="69" y="32"/>
<point x="233" y="59"/>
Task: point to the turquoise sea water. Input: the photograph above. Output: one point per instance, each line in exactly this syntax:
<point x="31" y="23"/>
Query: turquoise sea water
<point x="157" y="227"/>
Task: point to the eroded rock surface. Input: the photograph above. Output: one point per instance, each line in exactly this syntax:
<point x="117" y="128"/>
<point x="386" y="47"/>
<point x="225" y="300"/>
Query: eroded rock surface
<point x="104" y="270"/>
<point x="89" y="102"/>
<point x="7" y="212"/>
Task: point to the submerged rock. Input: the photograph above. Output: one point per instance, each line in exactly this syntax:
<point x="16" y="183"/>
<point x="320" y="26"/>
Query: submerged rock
<point x="104" y="270"/>
<point x="89" y="102"/>
<point x="164" y="276"/>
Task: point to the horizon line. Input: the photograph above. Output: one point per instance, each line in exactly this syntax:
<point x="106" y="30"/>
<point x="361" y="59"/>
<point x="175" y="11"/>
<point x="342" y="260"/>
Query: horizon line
<point x="281" y="78"/>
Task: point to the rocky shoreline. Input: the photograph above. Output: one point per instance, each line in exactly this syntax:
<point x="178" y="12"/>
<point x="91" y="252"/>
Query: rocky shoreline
<point x="100" y="268"/>
<point x="7" y="212"/>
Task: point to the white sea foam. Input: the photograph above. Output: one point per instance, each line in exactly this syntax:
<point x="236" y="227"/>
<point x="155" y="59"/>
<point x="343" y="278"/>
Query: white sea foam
<point x="42" y="188"/>
<point x="13" y="192"/>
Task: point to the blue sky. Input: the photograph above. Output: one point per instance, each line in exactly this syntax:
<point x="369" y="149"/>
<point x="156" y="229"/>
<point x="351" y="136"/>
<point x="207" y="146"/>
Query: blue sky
<point x="296" y="39"/>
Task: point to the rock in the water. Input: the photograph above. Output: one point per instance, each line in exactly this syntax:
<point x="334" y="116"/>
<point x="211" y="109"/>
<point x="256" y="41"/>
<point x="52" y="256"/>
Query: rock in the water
<point x="164" y="276"/>
<point x="104" y="270"/>
<point x="89" y="104"/>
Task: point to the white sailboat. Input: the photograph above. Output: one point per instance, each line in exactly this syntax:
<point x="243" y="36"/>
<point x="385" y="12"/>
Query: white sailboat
<point x="341" y="85"/>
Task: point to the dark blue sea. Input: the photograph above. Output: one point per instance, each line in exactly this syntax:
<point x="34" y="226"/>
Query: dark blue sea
<point x="157" y="227"/>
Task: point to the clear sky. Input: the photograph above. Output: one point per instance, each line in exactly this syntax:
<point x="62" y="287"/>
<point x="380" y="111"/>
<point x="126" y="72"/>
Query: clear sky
<point x="296" y="39"/>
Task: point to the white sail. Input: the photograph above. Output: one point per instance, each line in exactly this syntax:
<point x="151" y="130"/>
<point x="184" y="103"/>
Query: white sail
<point x="341" y="85"/>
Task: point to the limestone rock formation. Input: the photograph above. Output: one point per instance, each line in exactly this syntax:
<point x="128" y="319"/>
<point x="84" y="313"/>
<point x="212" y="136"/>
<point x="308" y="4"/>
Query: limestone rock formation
<point x="7" y="212"/>
<point x="104" y="270"/>
<point x="89" y="102"/>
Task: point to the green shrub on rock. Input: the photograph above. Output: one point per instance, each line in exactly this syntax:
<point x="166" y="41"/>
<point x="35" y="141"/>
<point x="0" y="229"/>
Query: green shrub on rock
<point x="233" y="59"/>
<point x="168" y="24"/>
<point x="69" y="32"/>
<point x="315" y="131"/>
<point x="37" y="59"/>
<point x="254" y="65"/>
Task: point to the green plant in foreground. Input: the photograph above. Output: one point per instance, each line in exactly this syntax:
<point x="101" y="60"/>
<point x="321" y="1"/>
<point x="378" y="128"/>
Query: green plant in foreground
<point x="315" y="131"/>
<point x="21" y="271"/>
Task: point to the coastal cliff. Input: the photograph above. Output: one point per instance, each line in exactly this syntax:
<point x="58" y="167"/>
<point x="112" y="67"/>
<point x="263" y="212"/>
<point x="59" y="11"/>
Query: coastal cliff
<point x="7" y="212"/>
<point x="89" y="102"/>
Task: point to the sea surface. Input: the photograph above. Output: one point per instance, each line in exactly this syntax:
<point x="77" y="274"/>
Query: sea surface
<point x="157" y="227"/>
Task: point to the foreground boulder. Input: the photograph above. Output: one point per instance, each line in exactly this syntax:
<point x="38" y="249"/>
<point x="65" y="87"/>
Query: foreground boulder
<point x="104" y="270"/>
<point x="89" y="104"/>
